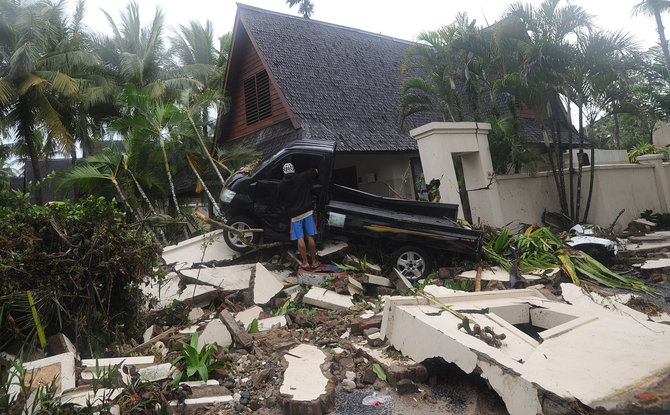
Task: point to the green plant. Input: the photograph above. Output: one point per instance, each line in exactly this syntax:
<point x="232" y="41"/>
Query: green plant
<point x="661" y="220"/>
<point x="198" y="362"/>
<point x="647" y="148"/>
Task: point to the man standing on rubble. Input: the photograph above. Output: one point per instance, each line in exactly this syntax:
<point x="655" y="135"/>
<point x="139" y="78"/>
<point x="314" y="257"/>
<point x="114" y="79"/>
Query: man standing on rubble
<point x="295" y="194"/>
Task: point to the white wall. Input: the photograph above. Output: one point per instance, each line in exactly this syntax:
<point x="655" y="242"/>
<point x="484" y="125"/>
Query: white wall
<point x="393" y="169"/>
<point x="617" y="186"/>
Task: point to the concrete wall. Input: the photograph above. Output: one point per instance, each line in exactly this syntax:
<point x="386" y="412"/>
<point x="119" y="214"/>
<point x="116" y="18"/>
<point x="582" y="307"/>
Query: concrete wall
<point x="513" y="199"/>
<point x="617" y="186"/>
<point x="374" y="171"/>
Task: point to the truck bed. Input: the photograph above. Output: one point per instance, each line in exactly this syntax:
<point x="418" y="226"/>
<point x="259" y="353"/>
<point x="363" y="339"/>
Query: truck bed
<point x="360" y="220"/>
<point x="414" y="207"/>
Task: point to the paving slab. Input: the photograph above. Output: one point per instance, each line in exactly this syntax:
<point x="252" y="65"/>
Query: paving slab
<point x="331" y="300"/>
<point x="586" y="356"/>
<point x="269" y="323"/>
<point x="230" y="278"/>
<point x="656" y="264"/>
<point x="266" y="285"/>
<point x="203" y="248"/>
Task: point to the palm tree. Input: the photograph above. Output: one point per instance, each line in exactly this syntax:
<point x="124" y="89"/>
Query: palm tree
<point x="655" y="8"/>
<point x="37" y="64"/>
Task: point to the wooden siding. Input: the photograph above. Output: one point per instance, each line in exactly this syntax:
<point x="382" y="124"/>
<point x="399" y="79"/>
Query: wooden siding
<point x="249" y="64"/>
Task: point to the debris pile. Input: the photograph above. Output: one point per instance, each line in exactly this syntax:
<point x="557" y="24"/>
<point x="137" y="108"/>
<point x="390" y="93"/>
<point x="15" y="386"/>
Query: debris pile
<point x="234" y="334"/>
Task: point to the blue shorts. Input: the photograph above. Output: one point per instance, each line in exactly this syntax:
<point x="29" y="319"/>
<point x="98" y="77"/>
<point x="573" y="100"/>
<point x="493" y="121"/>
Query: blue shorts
<point x="303" y="227"/>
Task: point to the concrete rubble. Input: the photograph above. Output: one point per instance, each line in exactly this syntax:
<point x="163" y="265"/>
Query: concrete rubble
<point x="316" y="341"/>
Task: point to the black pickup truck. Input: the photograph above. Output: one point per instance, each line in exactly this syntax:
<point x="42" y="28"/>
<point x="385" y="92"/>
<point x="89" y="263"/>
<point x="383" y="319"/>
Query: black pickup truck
<point x="415" y="231"/>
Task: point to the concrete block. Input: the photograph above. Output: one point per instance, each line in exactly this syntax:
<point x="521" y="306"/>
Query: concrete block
<point x="376" y="280"/>
<point x="44" y="371"/>
<point x="215" y="332"/>
<point x="240" y="336"/>
<point x="230" y="278"/>
<point x="266" y="285"/>
<point x="327" y="299"/>
<point x="305" y="389"/>
<point x="247" y="316"/>
<point x="202" y="248"/>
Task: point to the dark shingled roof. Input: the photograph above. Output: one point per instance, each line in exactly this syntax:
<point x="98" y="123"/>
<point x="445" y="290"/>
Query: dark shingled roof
<point x="341" y="84"/>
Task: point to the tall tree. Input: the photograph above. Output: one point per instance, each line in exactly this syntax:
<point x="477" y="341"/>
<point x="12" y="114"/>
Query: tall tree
<point x="37" y="63"/>
<point x="655" y="8"/>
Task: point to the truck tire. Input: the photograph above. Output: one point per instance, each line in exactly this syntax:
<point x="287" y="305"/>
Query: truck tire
<point x="241" y="223"/>
<point x="412" y="262"/>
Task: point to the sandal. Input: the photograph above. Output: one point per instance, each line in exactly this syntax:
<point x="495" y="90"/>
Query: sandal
<point x="317" y="265"/>
<point x="307" y="268"/>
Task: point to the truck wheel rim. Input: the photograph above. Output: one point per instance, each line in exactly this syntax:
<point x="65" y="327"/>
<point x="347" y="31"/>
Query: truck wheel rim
<point x="236" y="240"/>
<point x="411" y="264"/>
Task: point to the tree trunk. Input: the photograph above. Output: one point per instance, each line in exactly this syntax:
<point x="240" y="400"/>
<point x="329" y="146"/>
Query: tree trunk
<point x="169" y="176"/>
<point x="571" y="170"/>
<point x="580" y="158"/>
<point x="28" y="135"/>
<point x="661" y="36"/>
<point x="617" y="131"/>
<point x="592" y="175"/>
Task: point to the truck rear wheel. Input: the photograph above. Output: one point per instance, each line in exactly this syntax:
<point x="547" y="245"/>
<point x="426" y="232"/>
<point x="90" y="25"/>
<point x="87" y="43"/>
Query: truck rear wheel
<point x="412" y="262"/>
<point x="241" y="223"/>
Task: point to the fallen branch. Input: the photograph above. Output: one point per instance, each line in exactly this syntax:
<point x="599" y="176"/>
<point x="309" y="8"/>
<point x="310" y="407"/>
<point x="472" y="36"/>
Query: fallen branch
<point x="238" y="233"/>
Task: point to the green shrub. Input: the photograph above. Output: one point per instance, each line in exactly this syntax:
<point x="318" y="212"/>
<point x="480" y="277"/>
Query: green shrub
<point x="83" y="263"/>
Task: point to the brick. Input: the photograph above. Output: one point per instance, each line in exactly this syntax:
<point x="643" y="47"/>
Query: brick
<point x="646" y="398"/>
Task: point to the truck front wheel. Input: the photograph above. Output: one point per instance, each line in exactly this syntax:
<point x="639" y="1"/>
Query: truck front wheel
<point x="241" y="223"/>
<point x="412" y="262"/>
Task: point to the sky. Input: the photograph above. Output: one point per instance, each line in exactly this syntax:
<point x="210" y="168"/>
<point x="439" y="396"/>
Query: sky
<point x="401" y="19"/>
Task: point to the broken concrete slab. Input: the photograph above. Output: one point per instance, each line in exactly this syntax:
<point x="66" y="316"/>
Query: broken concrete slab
<point x="331" y="300"/>
<point x="310" y="278"/>
<point x="376" y="280"/>
<point x="269" y="323"/>
<point x="493" y="274"/>
<point x="203" y="248"/>
<point x="305" y="389"/>
<point x="195" y="314"/>
<point x="332" y="248"/>
<point x="230" y="278"/>
<point x="266" y="285"/>
<point x="655" y="264"/>
<point x="169" y="290"/>
<point x="156" y="373"/>
<point x="247" y="316"/>
<point x="292" y="292"/>
<point x="89" y="397"/>
<point x="400" y="282"/>
<point x="215" y="332"/>
<point x="355" y="287"/>
<point x="151" y="332"/>
<point x="105" y="364"/>
<point x="58" y="369"/>
<point x="577" y="347"/>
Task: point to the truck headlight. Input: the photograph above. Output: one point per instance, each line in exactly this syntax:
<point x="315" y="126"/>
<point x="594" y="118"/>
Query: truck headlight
<point x="227" y="195"/>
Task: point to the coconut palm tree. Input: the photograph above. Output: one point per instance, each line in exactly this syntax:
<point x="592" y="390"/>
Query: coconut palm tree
<point x="655" y="8"/>
<point x="37" y="66"/>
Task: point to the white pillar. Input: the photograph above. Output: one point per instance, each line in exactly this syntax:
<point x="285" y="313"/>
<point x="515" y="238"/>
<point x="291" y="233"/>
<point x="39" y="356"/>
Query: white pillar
<point x="661" y="180"/>
<point x="438" y="142"/>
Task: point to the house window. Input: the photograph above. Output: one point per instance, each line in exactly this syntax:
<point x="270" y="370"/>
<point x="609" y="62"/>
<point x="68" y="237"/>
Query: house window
<point x="257" y="104"/>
